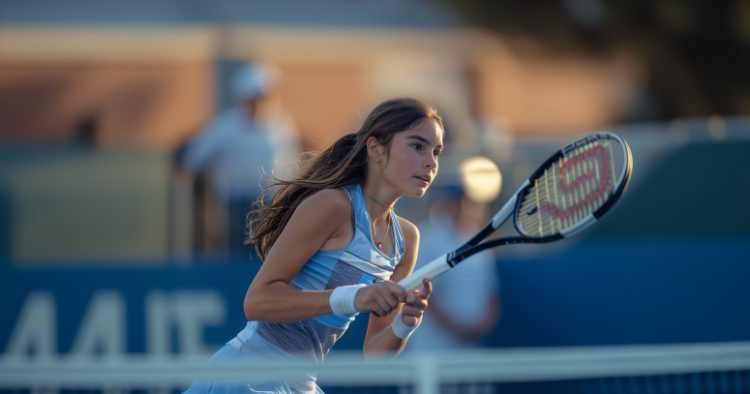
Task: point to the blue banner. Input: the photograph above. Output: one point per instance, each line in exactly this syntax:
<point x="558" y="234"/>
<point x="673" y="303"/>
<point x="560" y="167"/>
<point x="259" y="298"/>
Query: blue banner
<point x="666" y="292"/>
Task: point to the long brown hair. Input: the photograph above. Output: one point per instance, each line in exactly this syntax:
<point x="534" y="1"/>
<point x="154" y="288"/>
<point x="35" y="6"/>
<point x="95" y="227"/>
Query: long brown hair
<point x="343" y="163"/>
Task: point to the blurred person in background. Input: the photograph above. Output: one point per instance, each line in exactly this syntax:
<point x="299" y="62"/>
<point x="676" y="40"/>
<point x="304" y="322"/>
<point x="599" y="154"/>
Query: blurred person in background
<point x="333" y="247"/>
<point x="242" y="145"/>
<point x="465" y="305"/>
<point x="86" y="131"/>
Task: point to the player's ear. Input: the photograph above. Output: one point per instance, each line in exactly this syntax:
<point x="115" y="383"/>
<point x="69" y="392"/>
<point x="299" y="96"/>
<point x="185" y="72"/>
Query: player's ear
<point x="375" y="150"/>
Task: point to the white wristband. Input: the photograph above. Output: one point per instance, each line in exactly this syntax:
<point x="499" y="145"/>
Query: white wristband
<point x="342" y="299"/>
<point x="400" y="329"/>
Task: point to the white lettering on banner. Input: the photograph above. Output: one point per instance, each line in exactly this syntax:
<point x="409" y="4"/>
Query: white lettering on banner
<point x="158" y="323"/>
<point x="103" y="329"/>
<point x="186" y="311"/>
<point x="192" y="311"/>
<point x="34" y="334"/>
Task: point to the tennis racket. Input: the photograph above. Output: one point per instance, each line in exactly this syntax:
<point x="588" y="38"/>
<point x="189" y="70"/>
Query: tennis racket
<point x="571" y="191"/>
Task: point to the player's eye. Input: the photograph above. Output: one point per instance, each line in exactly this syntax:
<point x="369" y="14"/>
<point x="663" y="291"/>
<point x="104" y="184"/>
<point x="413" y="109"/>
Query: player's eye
<point x="418" y="146"/>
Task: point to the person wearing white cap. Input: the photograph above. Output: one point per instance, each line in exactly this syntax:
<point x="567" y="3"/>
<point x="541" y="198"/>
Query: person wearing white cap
<point x="458" y="211"/>
<point x="242" y="146"/>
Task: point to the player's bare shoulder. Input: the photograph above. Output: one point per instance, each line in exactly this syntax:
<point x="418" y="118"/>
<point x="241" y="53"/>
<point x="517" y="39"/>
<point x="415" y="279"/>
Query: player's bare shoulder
<point x="411" y="238"/>
<point x="331" y="203"/>
<point x="330" y="211"/>
<point x="410" y="230"/>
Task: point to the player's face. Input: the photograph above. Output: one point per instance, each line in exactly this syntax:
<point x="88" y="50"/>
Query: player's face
<point x="412" y="163"/>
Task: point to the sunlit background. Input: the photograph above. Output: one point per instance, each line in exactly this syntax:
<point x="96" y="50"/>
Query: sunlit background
<point x="110" y="244"/>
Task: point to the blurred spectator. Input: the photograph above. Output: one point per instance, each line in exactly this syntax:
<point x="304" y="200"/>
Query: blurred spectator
<point x="86" y="131"/>
<point x="494" y="138"/>
<point x="465" y="303"/>
<point x="243" y="147"/>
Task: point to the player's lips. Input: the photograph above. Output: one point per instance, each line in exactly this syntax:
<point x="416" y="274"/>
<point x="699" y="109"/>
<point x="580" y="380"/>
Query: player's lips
<point x="425" y="179"/>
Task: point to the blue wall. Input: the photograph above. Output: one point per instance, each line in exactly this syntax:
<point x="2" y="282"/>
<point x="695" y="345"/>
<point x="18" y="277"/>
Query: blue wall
<point x="593" y="294"/>
<point x="652" y="292"/>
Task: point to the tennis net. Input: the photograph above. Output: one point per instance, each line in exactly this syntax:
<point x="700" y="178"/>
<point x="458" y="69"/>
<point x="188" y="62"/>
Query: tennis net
<point x="687" y="368"/>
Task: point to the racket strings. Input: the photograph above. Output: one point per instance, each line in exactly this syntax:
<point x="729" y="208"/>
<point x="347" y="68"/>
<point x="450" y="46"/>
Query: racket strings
<point x="569" y="190"/>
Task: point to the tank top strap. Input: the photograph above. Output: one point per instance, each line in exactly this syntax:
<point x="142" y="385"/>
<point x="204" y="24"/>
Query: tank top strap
<point x="399" y="243"/>
<point x="359" y="210"/>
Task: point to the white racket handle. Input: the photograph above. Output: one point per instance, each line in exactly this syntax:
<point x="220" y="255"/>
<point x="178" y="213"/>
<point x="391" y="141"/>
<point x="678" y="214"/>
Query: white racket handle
<point x="428" y="271"/>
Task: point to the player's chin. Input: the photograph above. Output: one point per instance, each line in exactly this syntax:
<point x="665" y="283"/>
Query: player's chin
<point x="417" y="191"/>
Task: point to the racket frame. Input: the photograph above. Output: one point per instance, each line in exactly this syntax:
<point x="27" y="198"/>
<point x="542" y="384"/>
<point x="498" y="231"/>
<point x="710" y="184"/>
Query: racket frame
<point x="512" y="207"/>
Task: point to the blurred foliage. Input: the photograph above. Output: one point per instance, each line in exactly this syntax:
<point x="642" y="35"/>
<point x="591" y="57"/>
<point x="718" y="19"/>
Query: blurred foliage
<point x="696" y="54"/>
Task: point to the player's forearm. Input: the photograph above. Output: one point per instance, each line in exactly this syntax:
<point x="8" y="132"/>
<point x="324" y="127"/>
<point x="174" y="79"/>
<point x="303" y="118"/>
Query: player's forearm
<point x="380" y="338"/>
<point x="384" y="342"/>
<point x="279" y="302"/>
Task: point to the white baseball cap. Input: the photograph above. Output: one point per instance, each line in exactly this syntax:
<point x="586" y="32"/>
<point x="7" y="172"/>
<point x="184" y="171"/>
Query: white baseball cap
<point x="253" y="80"/>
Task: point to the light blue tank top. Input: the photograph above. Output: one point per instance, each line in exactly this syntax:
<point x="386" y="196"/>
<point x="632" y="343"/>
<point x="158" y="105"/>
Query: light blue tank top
<point x="360" y="261"/>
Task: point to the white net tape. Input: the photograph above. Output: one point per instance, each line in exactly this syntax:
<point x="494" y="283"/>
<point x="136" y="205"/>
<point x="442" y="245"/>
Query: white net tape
<point x="422" y="373"/>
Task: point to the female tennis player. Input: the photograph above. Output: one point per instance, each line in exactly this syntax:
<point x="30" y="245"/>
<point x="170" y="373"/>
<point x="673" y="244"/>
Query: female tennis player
<point x="333" y="247"/>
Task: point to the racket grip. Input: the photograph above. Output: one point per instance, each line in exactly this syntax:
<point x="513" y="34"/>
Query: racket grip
<point x="428" y="271"/>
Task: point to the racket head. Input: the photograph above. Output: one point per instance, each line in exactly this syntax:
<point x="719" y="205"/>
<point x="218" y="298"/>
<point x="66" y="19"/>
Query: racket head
<point x="574" y="187"/>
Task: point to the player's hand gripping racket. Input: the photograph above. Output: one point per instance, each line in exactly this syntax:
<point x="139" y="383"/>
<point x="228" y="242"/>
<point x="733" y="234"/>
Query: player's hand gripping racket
<point x="569" y="192"/>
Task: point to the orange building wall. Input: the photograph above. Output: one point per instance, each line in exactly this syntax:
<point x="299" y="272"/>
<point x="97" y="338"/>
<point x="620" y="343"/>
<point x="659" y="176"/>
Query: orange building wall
<point x="135" y="104"/>
<point x="155" y="89"/>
